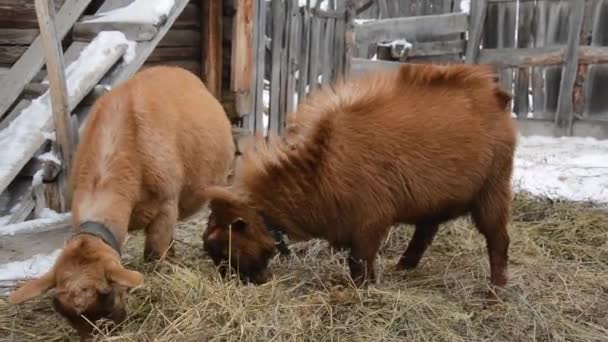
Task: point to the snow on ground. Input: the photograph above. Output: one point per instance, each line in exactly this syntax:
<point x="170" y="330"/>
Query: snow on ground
<point x="33" y="124"/>
<point x="30" y="268"/>
<point x="567" y="168"/>
<point x="139" y="11"/>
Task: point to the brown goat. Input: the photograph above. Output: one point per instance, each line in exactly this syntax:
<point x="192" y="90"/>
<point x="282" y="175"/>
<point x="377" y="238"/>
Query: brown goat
<point x="149" y="148"/>
<point x="421" y="145"/>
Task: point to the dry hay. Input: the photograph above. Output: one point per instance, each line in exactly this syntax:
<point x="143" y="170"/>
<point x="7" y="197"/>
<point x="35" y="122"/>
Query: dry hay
<point x="558" y="290"/>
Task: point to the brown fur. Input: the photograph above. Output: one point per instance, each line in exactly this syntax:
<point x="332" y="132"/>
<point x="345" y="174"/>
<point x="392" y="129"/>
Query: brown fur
<point x="149" y="148"/>
<point x="421" y="145"/>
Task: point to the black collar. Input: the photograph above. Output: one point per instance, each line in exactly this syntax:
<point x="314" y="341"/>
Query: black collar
<point x="277" y="233"/>
<point x="101" y="231"/>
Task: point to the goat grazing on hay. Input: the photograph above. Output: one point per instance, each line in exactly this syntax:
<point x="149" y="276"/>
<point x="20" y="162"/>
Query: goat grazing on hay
<point x="149" y="148"/>
<point x="421" y="145"/>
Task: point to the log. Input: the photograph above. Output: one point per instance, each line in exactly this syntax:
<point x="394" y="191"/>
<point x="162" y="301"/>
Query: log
<point x="64" y="136"/>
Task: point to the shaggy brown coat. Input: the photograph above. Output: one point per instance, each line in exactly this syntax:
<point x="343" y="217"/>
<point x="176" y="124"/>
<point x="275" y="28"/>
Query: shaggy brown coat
<point x="149" y="148"/>
<point x="421" y="145"/>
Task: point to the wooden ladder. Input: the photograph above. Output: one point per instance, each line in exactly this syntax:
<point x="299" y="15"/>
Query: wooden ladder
<point x="26" y="81"/>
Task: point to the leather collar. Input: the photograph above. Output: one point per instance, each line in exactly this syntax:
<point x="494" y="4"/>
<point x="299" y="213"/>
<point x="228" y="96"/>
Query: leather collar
<point x="277" y="232"/>
<point x="101" y="231"/>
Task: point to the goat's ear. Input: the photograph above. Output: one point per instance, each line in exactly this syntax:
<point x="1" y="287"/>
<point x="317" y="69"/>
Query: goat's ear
<point x="33" y="288"/>
<point x="124" y="277"/>
<point x="220" y="198"/>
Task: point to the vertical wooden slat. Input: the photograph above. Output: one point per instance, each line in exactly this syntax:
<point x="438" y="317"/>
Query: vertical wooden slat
<point x="349" y="36"/>
<point x="328" y="50"/>
<point x="522" y="76"/>
<point x="580" y="89"/>
<point x="291" y="61"/>
<point x="478" y="17"/>
<point x="564" y="117"/>
<point x="557" y="33"/>
<point x="260" y="65"/>
<point x="340" y="45"/>
<point x="538" y="73"/>
<point x="304" y="53"/>
<point x="64" y="134"/>
<point x="597" y="101"/>
<point x="211" y="45"/>
<point x="315" y="41"/>
<point x="278" y="23"/>
<point x="242" y="58"/>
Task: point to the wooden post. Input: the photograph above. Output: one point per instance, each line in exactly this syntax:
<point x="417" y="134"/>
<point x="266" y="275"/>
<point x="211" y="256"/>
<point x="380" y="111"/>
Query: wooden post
<point x="242" y="60"/>
<point x="565" y="115"/>
<point x="477" y="20"/>
<point x="64" y="136"/>
<point x="349" y="36"/>
<point x="211" y="45"/>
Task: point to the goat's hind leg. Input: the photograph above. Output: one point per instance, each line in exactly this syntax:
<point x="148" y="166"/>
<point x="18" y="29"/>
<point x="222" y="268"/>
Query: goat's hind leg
<point x="491" y="215"/>
<point x="421" y="240"/>
<point x="161" y="232"/>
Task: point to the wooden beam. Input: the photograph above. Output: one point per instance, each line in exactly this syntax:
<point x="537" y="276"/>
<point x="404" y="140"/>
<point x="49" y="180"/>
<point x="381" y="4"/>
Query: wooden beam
<point x="30" y="63"/>
<point x="412" y="28"/>
<point x="211" y="45"/>
<point x="12" y="36"/>
<point x="565" y="116"/>
<point x="86" y="30"/>
<point x="20" y="14"/>
<point x="552" y="55"/>
<point x="242" y="46"/>
<point x="9" y="54"/>
<point x="64" y="136"/>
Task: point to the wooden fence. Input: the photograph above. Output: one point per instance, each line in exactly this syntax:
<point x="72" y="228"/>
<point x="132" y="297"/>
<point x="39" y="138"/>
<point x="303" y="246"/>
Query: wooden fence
<point x="551" y="54"/>
<point x="299" y="48"/>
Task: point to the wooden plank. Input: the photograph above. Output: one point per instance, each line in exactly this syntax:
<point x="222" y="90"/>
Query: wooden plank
<point x="32" y="60"/>
<point x="597" y="102"/>
<point x="211" y="45"/>
<point x="174" y="53"/>
<point x="564" y="116"/>
<point x="86" y="30"/>
<point x="349" y="37"/>
<point x="278" y="29"/>
<point x="364" y="65"/>
<point x="175" y="38"/>
<point x="478" y="15"/>
<point x="412" y="28"/>
<point x="304" y="58"/>
<point x="328" y="50"/>
<point x="189" y="18"/>
<point x="12" y="36"/>
<point x="437" y="48"/>
<point x="550" y="56"/>
<point x="242" y="47"/>
<point x="259" y="66"/>
<point x="92" y="78"/>
<point x="340" y="41"/>
<point x="64" y="136"/>
<point x="558" y="17"/>
<point x="538" y="73"/>
<point x="9" y="54"/>
<point x="525" y="39"/>
<point x="292" y="61"/>
<point x="20" y="14"/>
<point x="315" y="40"/>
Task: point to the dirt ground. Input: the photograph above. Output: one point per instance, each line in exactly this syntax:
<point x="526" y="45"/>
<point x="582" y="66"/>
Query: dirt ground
<point x="558" y="290"/>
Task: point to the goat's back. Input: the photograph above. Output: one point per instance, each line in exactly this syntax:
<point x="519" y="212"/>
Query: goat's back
<point x="414" y="143"/>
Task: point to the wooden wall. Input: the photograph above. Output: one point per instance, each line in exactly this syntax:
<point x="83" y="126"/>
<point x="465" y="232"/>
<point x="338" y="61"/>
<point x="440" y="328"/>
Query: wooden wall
<point x="181" y="46"/>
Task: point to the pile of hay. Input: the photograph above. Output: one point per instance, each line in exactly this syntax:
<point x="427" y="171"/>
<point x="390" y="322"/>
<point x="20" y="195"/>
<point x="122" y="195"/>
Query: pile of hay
<point x="558" y="290"/>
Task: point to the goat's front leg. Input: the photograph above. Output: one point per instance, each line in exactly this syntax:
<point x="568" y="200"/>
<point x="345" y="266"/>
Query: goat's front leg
<point x="362" y="258"/>
<point x="161" y="232"/>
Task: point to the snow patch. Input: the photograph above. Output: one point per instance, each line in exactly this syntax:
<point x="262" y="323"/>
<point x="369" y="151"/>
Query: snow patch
<point x="362" y="21"/>
<point x="313" y="3"/>
<point x="37" y="178"/>
<point x="465" y="6"/>
<point x="397" y="43"/>
<point x="49" y="156"/>
<point x="30" y="268"/>
<point x="139" y="11"/>
<point x="569" y="168"/>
